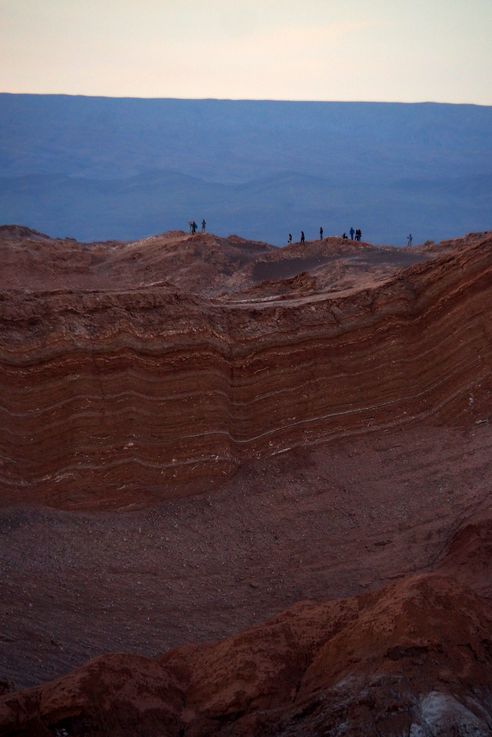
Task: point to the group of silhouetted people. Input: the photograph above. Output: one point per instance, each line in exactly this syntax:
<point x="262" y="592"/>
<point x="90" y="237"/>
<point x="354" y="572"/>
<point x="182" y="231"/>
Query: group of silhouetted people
<point x="354" y="235"/>
<point x="194" y="226"/>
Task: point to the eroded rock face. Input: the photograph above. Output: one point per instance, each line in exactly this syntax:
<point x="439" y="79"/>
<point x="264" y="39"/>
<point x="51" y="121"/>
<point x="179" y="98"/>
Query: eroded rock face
<point x="337" y="380"/>
<point x="158" y="388"/>
<point x="413" y="659"/>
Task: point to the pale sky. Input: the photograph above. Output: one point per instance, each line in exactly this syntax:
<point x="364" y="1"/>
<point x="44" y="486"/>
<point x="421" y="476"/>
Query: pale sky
<point x="400" y="50"/>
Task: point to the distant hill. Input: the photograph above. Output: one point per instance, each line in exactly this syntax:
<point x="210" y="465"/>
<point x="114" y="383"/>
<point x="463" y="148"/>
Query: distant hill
<point x="99" y="168"/>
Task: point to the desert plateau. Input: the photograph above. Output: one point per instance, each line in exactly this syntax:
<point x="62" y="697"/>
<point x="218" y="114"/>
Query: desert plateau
<point x="245" y="491"/>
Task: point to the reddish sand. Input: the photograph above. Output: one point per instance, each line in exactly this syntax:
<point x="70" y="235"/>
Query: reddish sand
<point x="331" y="404"/>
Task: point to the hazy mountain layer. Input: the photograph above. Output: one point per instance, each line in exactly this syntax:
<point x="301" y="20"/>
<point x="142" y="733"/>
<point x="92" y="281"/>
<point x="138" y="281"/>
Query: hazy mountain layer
<point x="96" y="168"/>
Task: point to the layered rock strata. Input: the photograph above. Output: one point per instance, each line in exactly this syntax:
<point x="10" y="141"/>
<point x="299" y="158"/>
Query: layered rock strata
<point x="158" y="389"/>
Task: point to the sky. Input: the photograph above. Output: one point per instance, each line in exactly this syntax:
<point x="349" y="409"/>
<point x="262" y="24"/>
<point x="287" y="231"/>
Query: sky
<point x="384" y="50"/>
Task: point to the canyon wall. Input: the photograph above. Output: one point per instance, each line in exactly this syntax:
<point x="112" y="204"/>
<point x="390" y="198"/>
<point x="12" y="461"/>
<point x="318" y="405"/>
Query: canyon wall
<point x="157" y="390"/>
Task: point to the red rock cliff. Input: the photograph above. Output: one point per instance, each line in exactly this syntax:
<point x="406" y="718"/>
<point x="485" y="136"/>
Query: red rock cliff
<point x="155" y="387"/>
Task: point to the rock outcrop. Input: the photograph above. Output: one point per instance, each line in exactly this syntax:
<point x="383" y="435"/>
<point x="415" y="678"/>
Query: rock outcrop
<point x="167" y="388"/>
<point x="412" y="659"/>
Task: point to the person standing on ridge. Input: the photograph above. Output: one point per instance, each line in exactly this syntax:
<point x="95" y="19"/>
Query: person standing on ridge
<point x="321" y="234"/>
<point x="204" y="225"/>
<point x="302" y="236"/>
<point x="409" y="239"/>
<point x="289" y="239"/>
<point x="352" y="233"/>
<point x="194" y="227"/>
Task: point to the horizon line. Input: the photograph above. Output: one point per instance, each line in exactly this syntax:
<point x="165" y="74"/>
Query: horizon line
<point x="245" y="99"/>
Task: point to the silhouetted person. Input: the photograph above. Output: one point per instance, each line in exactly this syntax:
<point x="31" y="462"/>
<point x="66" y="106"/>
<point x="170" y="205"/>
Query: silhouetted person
<point x="321" y="234"/>
<point x="358" y="234"/>
<point x="409" y="239"/>
<point x="344" y="236"/>
<point x="352" y="233"/>
<point x="302" y="236"/>
<point x="289" y="239"/>
<point x="194" y="227"/>
<point x="204" y="225"/>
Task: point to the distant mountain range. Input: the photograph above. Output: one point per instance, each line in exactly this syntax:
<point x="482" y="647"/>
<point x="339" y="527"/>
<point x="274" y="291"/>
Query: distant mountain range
<point x="103" y="168"/>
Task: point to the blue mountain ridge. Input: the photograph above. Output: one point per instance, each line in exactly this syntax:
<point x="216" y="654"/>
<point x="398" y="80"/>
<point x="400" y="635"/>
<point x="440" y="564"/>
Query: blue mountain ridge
<point x="99" y="168"/>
